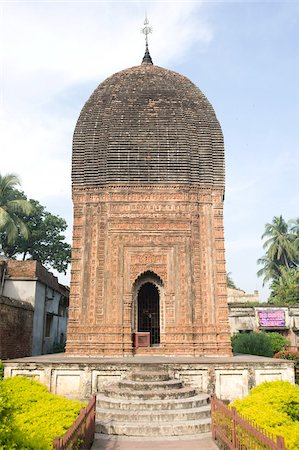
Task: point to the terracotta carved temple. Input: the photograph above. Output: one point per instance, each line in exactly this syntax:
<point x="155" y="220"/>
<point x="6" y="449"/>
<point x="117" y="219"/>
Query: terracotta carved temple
<point x="148" y="263"/>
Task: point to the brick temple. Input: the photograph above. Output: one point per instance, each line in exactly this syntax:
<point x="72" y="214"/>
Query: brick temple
<point x="148" y="186"/>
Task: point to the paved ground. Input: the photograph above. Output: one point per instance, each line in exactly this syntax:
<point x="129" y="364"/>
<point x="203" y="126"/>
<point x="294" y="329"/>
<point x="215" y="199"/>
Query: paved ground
<point x="204" y="442"/>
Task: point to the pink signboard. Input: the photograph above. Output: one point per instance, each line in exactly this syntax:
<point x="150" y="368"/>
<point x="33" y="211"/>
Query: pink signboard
<point x="271" y="318"/>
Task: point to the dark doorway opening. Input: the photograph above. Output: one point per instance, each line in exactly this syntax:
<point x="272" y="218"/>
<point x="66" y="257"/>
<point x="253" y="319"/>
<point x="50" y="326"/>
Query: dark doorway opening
<point x="149" y="311"/>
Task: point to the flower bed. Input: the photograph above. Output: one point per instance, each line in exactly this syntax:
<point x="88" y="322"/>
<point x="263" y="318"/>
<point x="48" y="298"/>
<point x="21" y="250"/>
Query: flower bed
<point x="30" y="416"/>
<point x="274" y="406"/>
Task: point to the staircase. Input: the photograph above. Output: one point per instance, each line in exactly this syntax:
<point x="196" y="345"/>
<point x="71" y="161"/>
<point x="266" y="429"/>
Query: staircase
<point x="152" y="404"/>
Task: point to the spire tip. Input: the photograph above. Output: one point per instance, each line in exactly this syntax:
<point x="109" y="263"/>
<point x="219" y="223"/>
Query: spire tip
<point x="146" y="30"/>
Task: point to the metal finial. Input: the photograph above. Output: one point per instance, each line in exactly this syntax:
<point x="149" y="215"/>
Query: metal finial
<point x="146" y="30"/>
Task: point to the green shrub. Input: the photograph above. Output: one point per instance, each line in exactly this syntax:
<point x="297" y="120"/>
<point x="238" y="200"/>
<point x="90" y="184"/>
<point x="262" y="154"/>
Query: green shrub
<point x="6" y="420"/>
<point x="274" y="406"/>
<point x="38" y="415"/>
<point x="278" y="341"/>
<point x="1" y="370"/>
<point x="252" y="343"/>
<point x="259" y="343"/>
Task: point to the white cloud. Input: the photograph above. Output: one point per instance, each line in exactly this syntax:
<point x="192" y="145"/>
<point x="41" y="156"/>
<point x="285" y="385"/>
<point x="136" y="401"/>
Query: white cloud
<point x="35" y="147"/>
<point x="50" y="49"/>
<point x="65" y="43"/>
<point x="52" y="46"/>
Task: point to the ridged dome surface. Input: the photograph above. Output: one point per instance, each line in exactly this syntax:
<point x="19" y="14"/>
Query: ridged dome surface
<point x="147" y="125"/>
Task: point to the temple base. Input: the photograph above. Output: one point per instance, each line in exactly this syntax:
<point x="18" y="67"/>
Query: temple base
<point x="81" y="377"/>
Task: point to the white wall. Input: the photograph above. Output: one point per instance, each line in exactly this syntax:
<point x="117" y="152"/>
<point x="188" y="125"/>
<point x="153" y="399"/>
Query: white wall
<point x="43" y="299"/>
<point x="59" y="324"/>
<point x="20" y="290"/>
<point x="39" y="319"/>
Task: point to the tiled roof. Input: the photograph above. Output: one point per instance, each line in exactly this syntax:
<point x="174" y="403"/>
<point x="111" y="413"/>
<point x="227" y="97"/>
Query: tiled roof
<point x="147" y="124"/>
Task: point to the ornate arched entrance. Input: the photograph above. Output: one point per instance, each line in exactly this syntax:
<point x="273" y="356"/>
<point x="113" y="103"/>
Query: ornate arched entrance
<point x="148" y="306"/>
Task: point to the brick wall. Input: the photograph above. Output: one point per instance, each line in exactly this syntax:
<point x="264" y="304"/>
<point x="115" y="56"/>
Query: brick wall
<point x="15" y="328"/>
<point x="34" y="270"/>
<point x="21" y="269"/>
<point x="124" y="237"/>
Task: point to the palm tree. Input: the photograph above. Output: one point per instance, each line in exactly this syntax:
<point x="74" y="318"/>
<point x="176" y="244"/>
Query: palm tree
<point x="294" y="228"/>
<point x="286" y="289"/>
<point x="13" y="206"/>
<point x="270" y="271"/>
<point x="280" y="246"/>
<point x="280" y="249"/>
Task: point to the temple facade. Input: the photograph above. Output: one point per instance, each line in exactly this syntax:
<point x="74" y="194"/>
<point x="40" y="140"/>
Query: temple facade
<point x="148" y="263"/>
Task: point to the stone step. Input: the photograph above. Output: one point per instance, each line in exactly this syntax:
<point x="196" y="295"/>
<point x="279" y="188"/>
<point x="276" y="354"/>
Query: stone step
<point x="150" y="375"/>
<point x="101" y="439"/>
<point x="154" y="429"/>
<point x="139" y="404"/>
<point x="161" y="394"/>
<point x="156" y="442"/>
<point x="105" y="414"/>
<point x="150" y="385"/>
<point x="157" y="351"/>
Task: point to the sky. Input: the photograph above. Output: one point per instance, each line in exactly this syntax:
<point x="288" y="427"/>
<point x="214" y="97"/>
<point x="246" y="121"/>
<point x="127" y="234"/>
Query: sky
<point x="243" y="55"/>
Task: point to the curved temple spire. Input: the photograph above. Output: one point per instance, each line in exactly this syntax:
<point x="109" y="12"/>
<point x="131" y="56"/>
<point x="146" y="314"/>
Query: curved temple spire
<point x="146" y="30"/>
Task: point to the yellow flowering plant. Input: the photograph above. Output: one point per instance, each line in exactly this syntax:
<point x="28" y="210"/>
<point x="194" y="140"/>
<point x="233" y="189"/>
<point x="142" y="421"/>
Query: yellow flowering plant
<point x="274" y="406"/>
<point x="36" y="416"/>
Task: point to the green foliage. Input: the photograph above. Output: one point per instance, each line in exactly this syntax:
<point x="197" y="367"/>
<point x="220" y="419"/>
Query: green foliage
<point x="274" y="406"/>
<point x="7" y="431"/>
<point x="285" y="290"/>
<point x="13" y="208"/>
<point x="46" y="241"/>
<point x="38" y="416"/>
<point x="251" y="304"/>
<point x="278" y="341"/>
<point x="252" y="343"/>
<point x="259" y="343"/>
<point x="1" y="370"/>
<point x="281" y="248"/>
<point x="281" y="261"/>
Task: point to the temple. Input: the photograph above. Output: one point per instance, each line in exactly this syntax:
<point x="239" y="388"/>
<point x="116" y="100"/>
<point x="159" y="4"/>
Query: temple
<point x="148" y="261"/>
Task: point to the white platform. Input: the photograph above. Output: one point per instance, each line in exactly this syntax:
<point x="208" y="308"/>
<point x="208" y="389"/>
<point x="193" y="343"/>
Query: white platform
<point x="80" y="377"/>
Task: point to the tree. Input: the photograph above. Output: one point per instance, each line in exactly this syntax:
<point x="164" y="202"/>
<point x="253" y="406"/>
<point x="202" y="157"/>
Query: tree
<point x="285" y="290"/>
<point x="13" y="208"/>
<point x="281" y="262"/>
<point x="28" y="230"/>
<point x="229" y="281"/>
<point x="270" y="270"/>
<point x="46" y="242"/>
<point x="281" y="249"/>
<point x="294" y="228"/>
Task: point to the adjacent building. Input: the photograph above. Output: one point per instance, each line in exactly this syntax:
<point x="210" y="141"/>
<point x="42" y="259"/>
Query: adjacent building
<point x="34" y="309"/>
<point x="247" y="314"/>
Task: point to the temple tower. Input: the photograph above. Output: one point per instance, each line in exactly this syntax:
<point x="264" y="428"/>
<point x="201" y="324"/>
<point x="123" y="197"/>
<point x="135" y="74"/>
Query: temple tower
<point x="148" y="242"/>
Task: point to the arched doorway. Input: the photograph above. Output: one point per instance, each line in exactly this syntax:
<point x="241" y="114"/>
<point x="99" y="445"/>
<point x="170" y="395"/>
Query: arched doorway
<point x="148" y="301"/>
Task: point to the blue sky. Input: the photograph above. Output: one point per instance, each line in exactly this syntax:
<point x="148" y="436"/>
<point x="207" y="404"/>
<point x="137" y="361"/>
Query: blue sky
<point x="242" y="55"/>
